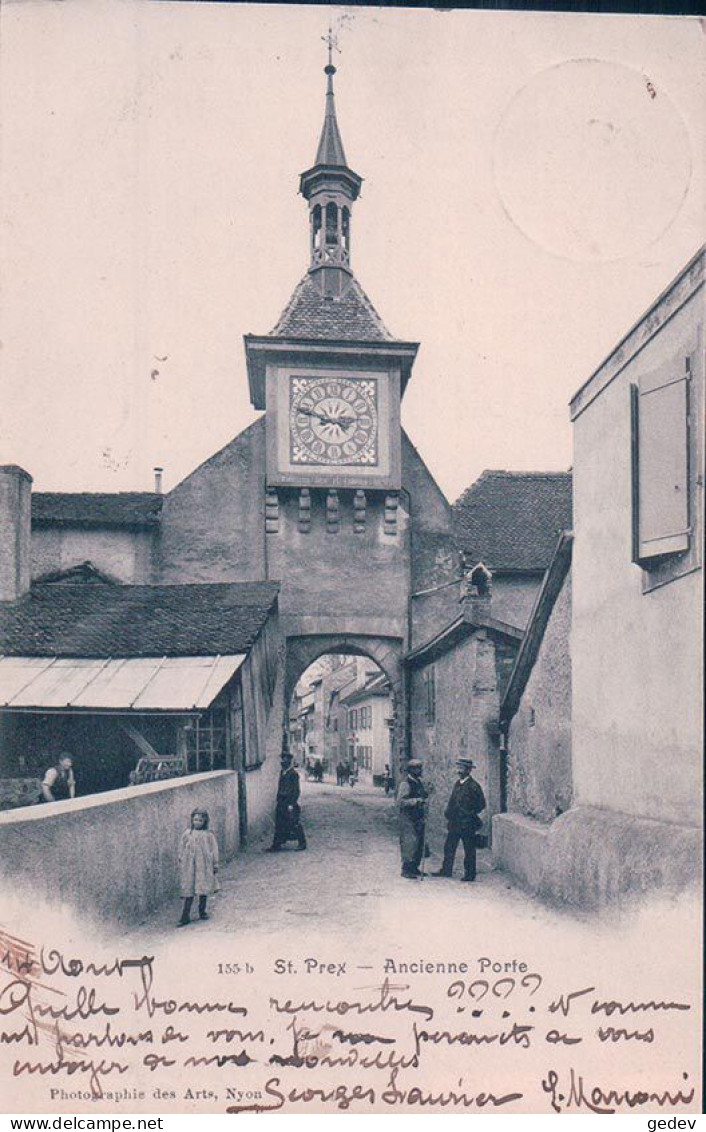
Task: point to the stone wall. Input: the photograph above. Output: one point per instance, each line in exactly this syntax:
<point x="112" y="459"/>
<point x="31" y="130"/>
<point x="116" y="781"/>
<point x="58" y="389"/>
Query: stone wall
<point x="124" y="554"/>
<point x="539" y="760"/>
<point x="467" y="701"/>
<point x="213" y="526"/>
<point x="595" y="859"/>
<point x="340" y="580"/>
<point x="113" y="856"/>
<point x="513" y="597"/>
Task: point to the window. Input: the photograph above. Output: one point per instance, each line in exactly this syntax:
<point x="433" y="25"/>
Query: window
<point x="366" y="718"/>
<point x="365" y="758"/>
<point x="353" y="719"/>
<point x="206" y="742"/>
<point x="664" y="466"/>
<point x="430" y="694"/>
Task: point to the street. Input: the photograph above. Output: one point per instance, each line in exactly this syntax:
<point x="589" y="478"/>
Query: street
<point x="347" y="882"/>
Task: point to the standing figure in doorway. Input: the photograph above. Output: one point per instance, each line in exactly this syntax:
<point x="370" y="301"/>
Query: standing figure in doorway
<point x="288" y="823"/>
<point x="466" y="802"/>
<point x="412" y="796"/>
<point x="59" y="782"/>
<point x="198" y="865"/>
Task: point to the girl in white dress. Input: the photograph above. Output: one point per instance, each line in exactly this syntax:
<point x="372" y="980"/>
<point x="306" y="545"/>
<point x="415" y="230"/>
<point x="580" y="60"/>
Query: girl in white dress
<point x="198" y="865"/>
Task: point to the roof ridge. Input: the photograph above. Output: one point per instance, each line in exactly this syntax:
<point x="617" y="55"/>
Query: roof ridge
<point x="156" y="494"/>
<point x="507" y="474"/>
<point x="128" y="588"/>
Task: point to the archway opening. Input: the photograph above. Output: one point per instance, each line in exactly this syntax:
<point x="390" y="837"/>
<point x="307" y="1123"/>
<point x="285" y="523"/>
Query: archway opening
<point x="341" y="722"/>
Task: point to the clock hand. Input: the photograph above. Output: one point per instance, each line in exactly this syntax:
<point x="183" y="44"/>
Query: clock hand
<point x="313" y="413"/>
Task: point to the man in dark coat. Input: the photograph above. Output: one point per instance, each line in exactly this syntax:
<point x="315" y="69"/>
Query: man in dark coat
<point x="411" y="799"/>
<point x="466" y="802"/>
<point x="288" y="824"/>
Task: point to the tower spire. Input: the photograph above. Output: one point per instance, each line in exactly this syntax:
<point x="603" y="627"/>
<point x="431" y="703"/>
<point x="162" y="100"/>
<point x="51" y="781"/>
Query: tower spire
<point x="330" y="187"/>
<point x="330" y="151"/>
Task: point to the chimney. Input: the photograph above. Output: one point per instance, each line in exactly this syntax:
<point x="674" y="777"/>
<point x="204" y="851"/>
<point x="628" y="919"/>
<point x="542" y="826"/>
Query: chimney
<point x="158" y="480"/>
<point x="15" y="531"/>
<point x="476" y="586"/>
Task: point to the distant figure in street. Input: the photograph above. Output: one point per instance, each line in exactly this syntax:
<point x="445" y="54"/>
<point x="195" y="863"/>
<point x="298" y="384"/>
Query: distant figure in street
<point x="198" y="865"/>
<point x="318" y="771"/>
<point x="387" y="779"/>
<point x="340" y="774"/>
<point x="466" y="802"/>
<point x="288" y="825"/>
<point x="59" y="782"/>
<point x="411" y="799"/>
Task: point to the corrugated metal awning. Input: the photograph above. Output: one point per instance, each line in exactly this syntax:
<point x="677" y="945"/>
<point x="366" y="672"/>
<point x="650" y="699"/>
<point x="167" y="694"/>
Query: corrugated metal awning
<point x="173" y="683"/>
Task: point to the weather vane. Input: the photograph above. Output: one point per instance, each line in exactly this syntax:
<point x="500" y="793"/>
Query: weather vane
<point x="331" y="40"/>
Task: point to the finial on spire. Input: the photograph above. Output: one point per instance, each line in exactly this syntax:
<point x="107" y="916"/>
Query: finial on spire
<point x="331" y="40"/>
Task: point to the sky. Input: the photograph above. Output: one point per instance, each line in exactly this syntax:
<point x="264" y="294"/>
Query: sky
<point x="532" y="181"/>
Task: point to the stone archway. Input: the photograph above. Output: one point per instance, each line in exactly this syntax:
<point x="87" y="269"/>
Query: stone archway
<point x="386" y="652"/>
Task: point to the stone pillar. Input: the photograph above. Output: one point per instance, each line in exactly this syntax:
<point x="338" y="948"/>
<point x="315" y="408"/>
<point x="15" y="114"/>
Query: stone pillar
<point x="15" y="531"/>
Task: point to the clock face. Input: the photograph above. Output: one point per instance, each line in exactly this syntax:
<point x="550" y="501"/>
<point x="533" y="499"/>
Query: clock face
<point x="333" y="421"/>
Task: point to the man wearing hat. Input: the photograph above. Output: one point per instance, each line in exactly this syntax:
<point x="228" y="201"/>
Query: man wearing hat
<point x="288" y="824"/>
<point x="411" y="799"/>
<point x="466" y="802"/>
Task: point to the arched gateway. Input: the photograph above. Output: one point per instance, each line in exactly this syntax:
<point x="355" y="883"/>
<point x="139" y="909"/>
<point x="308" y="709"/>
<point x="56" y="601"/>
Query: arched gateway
<point x="386" y="652"/>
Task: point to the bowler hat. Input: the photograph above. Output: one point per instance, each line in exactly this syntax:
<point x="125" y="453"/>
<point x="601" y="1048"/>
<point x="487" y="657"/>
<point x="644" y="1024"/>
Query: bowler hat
<point x="465" y="762"/>
<point x="415" y="764"/>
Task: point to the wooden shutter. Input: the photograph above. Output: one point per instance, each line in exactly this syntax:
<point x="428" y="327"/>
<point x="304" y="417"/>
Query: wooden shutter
<point x="660" y="410"/>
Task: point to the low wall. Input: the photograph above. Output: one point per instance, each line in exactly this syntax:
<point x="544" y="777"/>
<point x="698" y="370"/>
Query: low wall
<point x="592" y="858"/>
<point x="519" y="847"/>
<point x="114" y="855"/>
<point x="261" y="792"/>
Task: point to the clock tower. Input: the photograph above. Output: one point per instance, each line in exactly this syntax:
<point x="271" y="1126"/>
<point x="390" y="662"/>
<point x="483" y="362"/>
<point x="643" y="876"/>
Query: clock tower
<point x="330" y="375"/>
<point x="352" y="522"/>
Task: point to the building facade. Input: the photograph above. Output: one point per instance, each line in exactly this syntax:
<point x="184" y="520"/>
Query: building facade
<point x="636" y="616"/>
<point x="369" y="723"/>
<point x="456" y="682"/>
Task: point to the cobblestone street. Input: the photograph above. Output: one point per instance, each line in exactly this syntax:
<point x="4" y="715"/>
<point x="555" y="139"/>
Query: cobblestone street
<point x="348" y="881"/>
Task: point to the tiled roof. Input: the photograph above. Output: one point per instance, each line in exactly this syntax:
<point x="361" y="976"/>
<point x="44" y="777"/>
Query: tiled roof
<point x="512" y="520"/>
<point x="100" y="508"/>
<point x="132" y="621"/>
<point x="352" y="318"/>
